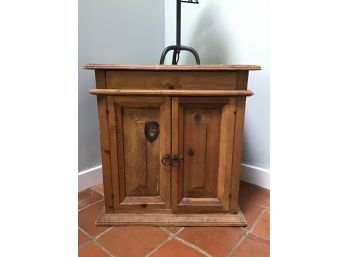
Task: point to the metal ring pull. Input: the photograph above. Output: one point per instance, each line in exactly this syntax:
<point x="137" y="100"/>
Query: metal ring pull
<point x="167" y="160"/>
<point x="176" y="159"/>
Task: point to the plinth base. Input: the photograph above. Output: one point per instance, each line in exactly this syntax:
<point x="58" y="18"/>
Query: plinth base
<point x="169" y="219"/>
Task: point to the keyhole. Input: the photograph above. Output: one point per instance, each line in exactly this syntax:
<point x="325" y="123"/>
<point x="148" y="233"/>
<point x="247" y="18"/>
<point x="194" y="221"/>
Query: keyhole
<point x="190" y="152"/>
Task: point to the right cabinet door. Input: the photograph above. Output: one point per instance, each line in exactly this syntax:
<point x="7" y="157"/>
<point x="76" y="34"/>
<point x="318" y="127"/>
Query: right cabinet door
<point x="202" y="137"/>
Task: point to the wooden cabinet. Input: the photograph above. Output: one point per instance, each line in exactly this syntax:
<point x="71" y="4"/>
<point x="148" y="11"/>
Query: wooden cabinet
<point x="171" y="140"/>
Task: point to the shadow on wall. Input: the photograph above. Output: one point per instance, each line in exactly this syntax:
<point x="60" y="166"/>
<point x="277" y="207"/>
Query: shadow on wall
<point x="209" y="37"/>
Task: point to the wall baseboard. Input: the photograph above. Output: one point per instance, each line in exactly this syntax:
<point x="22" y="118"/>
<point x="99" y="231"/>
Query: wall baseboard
<point x="251" y="174"/>
<point x="255" y="175"/>
<point x="90" y="177"/>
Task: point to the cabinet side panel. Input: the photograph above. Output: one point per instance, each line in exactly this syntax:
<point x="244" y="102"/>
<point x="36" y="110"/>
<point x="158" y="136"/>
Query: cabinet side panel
<point x="113" y="152"/>
<point x="242" y="80"/>
<point x="242" y="83"/>
<point x="100" y="79"/>
<point x="237" y="153"/>
<point x="104" y="142"/>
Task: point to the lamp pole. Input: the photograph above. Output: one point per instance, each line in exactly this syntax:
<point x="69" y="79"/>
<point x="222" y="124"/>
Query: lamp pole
<point x="178" y="47"/>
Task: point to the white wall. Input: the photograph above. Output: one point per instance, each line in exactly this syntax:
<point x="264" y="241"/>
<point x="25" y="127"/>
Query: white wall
<point x="112" y="31"/>
<point x="232" y="32"/>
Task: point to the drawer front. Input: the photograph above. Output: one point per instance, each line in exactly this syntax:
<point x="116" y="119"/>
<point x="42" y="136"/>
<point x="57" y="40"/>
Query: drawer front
<point x="171" y="80"/>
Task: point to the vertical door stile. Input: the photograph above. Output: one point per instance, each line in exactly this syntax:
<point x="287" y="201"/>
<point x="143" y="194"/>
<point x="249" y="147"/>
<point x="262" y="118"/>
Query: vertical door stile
<point x="175" y="147"/>
<point x="114" y="150"/>
<point x="165" y="148"/>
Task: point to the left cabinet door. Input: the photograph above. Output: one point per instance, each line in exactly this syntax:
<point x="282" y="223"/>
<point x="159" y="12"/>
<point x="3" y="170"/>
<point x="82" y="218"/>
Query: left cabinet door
<point x="140" y="136"/>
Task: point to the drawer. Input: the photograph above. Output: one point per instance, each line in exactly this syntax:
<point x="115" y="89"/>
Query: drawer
<point x="171" y="79"/>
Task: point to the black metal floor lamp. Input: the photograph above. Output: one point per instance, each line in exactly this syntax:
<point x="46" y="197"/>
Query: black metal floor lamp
<point x="178" y="47"/>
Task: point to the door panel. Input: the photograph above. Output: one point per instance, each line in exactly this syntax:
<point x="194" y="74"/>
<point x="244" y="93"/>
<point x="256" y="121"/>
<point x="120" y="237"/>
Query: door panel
<point x="202" y="130"/>
<point x="141" y="161"/>
<point x="201" y="151"/>
<point x="140" y="128"/>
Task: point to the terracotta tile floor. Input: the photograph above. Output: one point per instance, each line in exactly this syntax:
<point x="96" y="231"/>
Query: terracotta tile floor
<point x="252" y="241"/>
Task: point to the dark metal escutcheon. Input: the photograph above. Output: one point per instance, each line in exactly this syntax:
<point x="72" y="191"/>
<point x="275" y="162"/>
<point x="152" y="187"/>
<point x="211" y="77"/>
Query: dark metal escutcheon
<point x="151" y="130"/>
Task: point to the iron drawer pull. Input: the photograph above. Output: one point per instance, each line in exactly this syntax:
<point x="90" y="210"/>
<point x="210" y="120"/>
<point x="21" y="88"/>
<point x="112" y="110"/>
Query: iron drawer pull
<point x="167" y="160"/>
<point x="173" y="161"/>
<point x="176" y="159"/>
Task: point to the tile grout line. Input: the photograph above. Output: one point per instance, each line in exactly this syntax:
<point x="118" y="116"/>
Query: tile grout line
<point x="170" y="237"/>
<point x="171" y="233"/>
<point x="104" y="249"/>
<point x="102" y="233"/>
<point x="177" y="232"/>
<point x="90" y="205"/>
<point x="247" y="233"/>
<point x="238" y="244"/>
<point x="85" y="243"/>
<point x="258" y="219"/>
<point x="167" y="231"/>
<point x="83" y="231"/>
<point x="192" y="246"/>
<point x="90" y="238"/>
<point x="94" y="239"/>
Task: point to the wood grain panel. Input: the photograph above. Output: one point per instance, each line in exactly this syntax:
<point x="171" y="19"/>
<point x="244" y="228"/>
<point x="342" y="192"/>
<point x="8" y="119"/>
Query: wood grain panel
<point x="201" y="151"/>
<point x="105" y="143"/>
<point x="105" y="153"/>
<point x="202" y="182"/>
<point x="141" y="158"/>
<point x="141" y="176"/>
<point x="238" y="142"/>
<point x="170" y="80"/>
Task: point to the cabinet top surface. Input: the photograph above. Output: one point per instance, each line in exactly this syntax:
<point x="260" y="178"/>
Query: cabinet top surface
<point x="215" y="67"/>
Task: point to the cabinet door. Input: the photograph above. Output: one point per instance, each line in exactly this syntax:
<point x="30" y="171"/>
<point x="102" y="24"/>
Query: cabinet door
<point x="202" y="135"/>
<point x="140" y="136"/>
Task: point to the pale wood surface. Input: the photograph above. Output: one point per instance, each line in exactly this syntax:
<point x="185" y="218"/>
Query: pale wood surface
<point x="168" y="219"/>
<point x="217" y="67"/>
<point x="140" y="79"/>
<point x="137" y="92"/>
<point x="226" y="150"/>
<point x="113" y="153"/>
<point x="105" y="142"/>
<point x="238" y="142"/>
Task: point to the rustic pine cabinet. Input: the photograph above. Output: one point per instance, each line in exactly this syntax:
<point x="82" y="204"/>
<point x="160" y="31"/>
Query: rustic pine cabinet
<point x="171" y="140"/>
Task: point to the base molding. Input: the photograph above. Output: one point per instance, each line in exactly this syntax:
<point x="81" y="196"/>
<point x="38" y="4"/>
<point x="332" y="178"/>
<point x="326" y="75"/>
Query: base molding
<point x="90" y="177"/>
<point x="255" y="175"/>
<point x="169" y="219"/>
